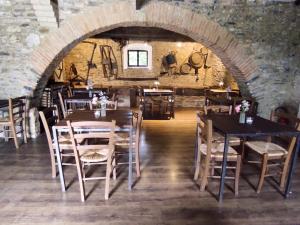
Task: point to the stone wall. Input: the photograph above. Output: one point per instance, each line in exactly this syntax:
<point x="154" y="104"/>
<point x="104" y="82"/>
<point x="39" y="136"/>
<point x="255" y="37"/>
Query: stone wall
<point x="267" y="29"/>
<point x="207" y="77"/>
<point x="23" y="24"/>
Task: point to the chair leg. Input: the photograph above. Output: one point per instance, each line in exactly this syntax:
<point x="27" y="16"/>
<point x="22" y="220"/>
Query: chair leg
<point x="263" y="172"/>
<point x="237" y="175"/>
<point x="107" y="179"/>
<point x="283" y="175"/>
<point x="114" y="168"/>
<point x="13" y="128"/>
<point x="53" y="166"/>
<point x="81" y="183"/>
<point x="197" y="163"/>
<point x="137" y="160"/>
<point x="205" y="175"/>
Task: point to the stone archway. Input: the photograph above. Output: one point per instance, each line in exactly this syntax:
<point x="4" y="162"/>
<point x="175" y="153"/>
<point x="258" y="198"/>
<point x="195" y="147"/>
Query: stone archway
<point x="157" y="14"/>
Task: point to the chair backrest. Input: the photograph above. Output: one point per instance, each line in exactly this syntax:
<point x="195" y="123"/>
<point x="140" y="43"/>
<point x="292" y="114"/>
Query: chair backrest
<point x="204" y="133"/>
<point x="69" y="91"/>
<point x="284" y="118"/>
<point x="291" y="147"/>
<point x="49" y="117"/>
<point x="112" y="105"/>
<point x="218" y="109"/>
<point x="95" y="134"/>
<point x="17" y="108"/>
<point x="62" y="105"/>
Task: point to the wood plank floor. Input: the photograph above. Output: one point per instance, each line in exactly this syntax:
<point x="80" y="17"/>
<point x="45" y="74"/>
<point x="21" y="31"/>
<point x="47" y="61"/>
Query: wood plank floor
<point x="165" y="194"/>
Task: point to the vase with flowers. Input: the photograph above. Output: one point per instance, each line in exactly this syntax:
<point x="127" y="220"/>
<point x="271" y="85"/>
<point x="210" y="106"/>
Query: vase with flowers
<point x="99" y="103"/>
<point x="242" y="109"/>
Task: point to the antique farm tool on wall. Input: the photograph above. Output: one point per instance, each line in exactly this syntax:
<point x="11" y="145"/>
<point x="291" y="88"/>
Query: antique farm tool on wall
<point x="90" y="63"/>
<point x="59" y="71"/>
<point x="205" y="67"/>
<point x="171" y="63"/>
<point x="196" y="60"/>
<point x="109" y="61"/>
<point x="76" y="77"/>
<point x="185" y="68"/>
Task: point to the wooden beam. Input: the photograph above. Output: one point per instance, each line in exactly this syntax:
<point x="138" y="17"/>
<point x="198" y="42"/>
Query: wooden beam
<point x="139" y="4"/>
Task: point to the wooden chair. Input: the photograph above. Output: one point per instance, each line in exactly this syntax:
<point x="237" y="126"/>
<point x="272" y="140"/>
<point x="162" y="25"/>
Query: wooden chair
<point x="112" y="105"/>
<point x="15" y="122"/>
<point x="218" y="109"/>
<point x="212" y="153"/>
<point x="271" y="152"/>
<point x="49" y="116"/>
<point x="221" y="109"/>
<point x="98" y="148"/>
<point x="123" y="141"/>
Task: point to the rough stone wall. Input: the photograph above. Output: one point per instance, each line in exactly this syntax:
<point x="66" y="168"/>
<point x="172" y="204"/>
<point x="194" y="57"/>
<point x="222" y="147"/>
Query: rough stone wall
<point x="211" y="76"/>
<point x="268" y="29"/>
<point x="22" y="25"/>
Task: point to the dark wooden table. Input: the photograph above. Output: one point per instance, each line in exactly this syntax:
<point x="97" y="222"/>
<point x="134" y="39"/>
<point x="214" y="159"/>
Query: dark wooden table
<point x="123" y="123"/>
<point x="229" y="125"/>
<point x="3" y="103"/>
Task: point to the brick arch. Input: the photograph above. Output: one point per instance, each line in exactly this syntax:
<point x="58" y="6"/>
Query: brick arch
<point x="157" y="14"/>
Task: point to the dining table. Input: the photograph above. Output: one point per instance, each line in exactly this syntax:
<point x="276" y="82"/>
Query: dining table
<point x="164" y="99"/>
<point x="123" y="120"/>
<point x="229" y="126"/>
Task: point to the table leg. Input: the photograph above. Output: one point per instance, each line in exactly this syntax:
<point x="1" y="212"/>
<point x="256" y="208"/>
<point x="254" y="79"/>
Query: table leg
<point x="58" y="158"/>
<point x="223" y="172"/>
<point x="130" y="160"/>
<point x="292" y="168"/>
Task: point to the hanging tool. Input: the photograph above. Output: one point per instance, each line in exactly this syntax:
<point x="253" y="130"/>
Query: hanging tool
<point x="90" y="63"/>
<point x="58" y="72"/>
<point x="77" y="77"/>
<point x="109" y="61"/>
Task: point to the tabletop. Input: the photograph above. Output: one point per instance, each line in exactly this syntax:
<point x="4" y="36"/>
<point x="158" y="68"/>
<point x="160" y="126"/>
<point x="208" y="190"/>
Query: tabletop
<point x="229" y="124"/>
<point x="122" y="117"/>
<point x="157" y="92"/>
<point x="222" y="91"/>
<point x="3" y="103"/>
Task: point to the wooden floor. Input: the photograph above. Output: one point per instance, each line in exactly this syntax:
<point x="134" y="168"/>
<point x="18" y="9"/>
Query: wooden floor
<point x="165" y="194"/>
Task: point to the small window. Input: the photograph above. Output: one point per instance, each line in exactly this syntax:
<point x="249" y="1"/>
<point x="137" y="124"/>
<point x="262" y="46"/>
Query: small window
<point x="137" y="58"/>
